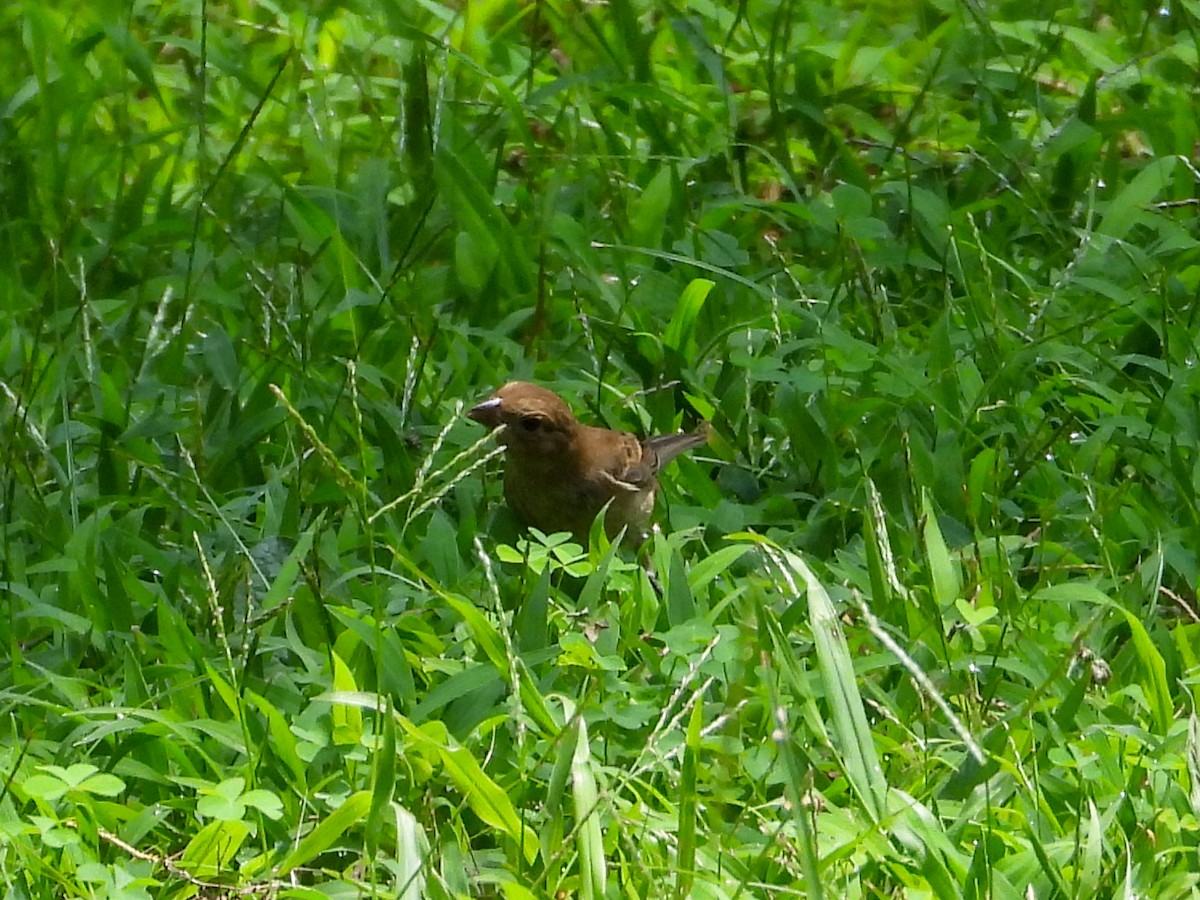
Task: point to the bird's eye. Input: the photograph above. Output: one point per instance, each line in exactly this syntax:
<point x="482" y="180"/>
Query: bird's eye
<point x="531" y="423"/>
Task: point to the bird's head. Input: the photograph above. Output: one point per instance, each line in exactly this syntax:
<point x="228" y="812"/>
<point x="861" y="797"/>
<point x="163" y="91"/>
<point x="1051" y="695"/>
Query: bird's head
<point x="537" y="421"/>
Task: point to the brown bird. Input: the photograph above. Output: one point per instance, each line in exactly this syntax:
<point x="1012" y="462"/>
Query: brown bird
<point x="559" y="473"/>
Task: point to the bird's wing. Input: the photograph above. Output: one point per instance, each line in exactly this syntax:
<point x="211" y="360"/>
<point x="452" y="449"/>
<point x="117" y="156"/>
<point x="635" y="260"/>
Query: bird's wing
<point x="612" y="458"/>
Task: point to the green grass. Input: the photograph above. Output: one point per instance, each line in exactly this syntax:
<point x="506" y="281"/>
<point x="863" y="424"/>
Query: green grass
<point x="927" y="624"/>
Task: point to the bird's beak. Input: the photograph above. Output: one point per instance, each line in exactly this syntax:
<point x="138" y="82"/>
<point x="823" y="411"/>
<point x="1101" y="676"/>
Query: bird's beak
<point x="486" y="413"/>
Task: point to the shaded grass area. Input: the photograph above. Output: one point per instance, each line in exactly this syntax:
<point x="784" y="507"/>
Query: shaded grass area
<point x="927" y="621"/>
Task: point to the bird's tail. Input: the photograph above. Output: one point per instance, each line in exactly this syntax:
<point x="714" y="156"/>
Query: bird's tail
<point x="668" y="446"/>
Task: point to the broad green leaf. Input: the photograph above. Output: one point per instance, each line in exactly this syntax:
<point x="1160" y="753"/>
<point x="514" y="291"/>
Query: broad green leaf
<point x="213" y="849"/>
<point x="331" y="829"/>
<point x="347" y="718"/>
<point x="482" y="794"/>
<point x="680" y="335"/>
<point x="1131" y="201"/>
<point x="943" y="570"/>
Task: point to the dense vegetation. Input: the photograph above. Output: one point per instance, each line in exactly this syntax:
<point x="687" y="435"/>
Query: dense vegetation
<point x="926" y="621"/>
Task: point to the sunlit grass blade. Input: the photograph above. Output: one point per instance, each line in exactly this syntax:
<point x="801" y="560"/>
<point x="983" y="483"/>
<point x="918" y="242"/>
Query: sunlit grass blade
<point x="851" y="732"/>
<point x="589" y="838"/>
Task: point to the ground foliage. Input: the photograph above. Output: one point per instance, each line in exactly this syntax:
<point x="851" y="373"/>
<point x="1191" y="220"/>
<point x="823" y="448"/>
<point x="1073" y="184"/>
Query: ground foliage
<point x="927" y="621"/>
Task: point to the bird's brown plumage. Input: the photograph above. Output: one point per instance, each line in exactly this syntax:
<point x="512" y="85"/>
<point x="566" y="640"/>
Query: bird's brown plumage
<point x="559" y="473"/>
